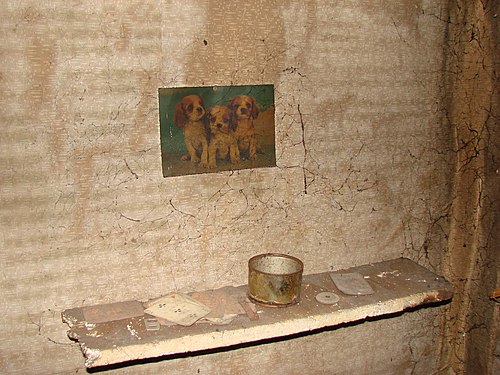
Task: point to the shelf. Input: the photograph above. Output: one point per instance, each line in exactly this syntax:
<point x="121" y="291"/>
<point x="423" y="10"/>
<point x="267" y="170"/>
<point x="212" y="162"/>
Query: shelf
<point x="398" y="285"/>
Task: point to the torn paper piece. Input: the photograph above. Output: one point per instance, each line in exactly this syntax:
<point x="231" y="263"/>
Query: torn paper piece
<point x="351" y="283"/>
<point x="112" y="311"/>
<point x="219" y="321"/>
<point x="178" y="308"/>
<point x="222" y="302"/>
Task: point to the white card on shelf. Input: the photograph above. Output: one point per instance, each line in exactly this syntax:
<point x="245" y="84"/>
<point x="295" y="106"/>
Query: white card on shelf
<point x="178" y="308"/>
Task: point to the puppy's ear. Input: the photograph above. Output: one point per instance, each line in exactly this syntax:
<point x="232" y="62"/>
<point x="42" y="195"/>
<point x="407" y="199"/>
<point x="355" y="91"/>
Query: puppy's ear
<point x="232" y="114"/>
<point x="206" y="127"/>
<point x="180" y="117"/>
<point x="205" y="113"/>
<point x="201" y="102"/>
<point x="255" y="108"/>
<point x="233" y="120"/>
<point x="206" y="118"/>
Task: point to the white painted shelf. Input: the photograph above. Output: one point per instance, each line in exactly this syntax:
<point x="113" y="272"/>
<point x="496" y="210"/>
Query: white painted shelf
<point x="398" y="285"/>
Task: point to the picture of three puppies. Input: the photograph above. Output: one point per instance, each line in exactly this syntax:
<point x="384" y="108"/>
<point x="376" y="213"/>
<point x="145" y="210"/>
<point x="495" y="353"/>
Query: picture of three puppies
<point x="211" y="129"/>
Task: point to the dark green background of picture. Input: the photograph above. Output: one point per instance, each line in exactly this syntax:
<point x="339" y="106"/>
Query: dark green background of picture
<point x="172" y="140"/>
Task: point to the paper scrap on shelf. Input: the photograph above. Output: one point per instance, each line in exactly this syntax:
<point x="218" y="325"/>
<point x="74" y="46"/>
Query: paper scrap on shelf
<point x="112" y="311"/>
<point x="249" y="310"/>
<point x="222" y="302"/>
<point x="220" y="321"/>
<point x="351" y="283"/>
<point x="178" y="308"/>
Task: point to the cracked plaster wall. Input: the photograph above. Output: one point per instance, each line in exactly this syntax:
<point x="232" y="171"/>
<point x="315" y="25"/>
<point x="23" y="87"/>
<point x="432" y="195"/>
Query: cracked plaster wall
<point x="363" y="152"/>
<point x="471" y="259"/>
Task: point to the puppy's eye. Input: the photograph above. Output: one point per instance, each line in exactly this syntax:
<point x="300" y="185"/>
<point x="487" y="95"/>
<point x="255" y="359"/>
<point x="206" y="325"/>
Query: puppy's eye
<point x="226" y="120"/>
<point x="212" y="119"/>
<point x="248" y="105"/>
<point x="189" y="108"/>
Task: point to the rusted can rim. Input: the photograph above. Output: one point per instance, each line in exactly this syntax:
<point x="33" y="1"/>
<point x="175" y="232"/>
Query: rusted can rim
<point x="273" y="303"/>
<point x="259" y="256"/>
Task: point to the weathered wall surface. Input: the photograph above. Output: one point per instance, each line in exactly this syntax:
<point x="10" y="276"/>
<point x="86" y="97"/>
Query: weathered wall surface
<point x="363" y="165"/>
<point x="472" y="257"/>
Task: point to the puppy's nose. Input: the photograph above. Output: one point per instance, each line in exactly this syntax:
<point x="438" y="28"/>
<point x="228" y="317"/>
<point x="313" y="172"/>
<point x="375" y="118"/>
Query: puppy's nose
<point x="243" y="110"/>
<point x="219" y="126"/>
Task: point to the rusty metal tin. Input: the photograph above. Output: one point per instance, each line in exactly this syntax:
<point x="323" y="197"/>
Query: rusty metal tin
<point x="274" y="279"/>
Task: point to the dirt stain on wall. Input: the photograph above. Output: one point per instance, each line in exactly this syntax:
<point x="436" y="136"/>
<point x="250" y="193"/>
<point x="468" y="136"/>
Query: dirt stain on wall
<point x="41" y="54"/>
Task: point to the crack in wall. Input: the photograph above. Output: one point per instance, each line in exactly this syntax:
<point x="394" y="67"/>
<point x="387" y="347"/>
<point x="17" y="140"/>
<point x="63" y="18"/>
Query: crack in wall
<point x="471" y="260"/>
<point x="304" y="161"/>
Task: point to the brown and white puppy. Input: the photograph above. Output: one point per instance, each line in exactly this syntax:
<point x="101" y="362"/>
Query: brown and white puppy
<point x="189" y="116"/>
<point x="243" y="112"/>
<point x="222" y="141"/>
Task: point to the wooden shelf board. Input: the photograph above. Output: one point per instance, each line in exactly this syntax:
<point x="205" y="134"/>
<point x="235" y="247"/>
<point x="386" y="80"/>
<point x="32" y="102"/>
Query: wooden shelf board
<point x="398" y="284"/>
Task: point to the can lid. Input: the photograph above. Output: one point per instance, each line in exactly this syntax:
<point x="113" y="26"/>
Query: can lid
<point x="327" y="298"/>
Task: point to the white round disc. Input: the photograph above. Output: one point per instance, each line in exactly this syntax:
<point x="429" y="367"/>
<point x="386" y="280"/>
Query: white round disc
<point x="327" y="298"/>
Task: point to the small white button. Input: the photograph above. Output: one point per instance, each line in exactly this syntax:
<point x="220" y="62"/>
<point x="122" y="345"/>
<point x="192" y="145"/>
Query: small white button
<point x="327" y="298"/>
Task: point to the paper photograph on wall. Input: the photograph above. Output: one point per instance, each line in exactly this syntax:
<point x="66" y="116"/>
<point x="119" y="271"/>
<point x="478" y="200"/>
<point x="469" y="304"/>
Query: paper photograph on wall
<point x="216" y="128"/>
